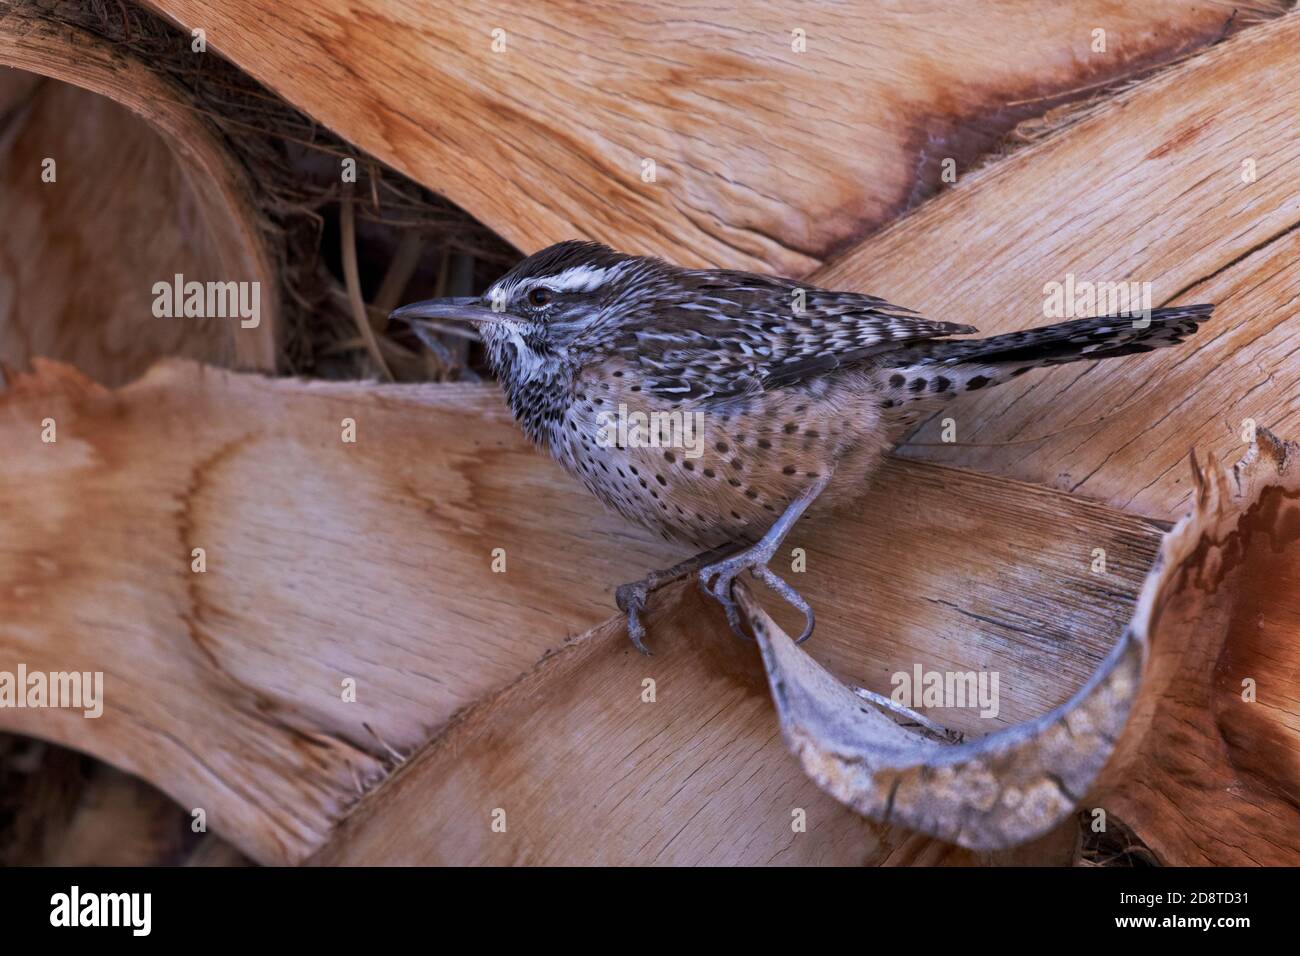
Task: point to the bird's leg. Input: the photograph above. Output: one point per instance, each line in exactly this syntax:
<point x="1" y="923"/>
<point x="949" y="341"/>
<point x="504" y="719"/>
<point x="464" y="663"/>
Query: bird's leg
<point x="632" y="597"/>
<point x="717" y="578"/>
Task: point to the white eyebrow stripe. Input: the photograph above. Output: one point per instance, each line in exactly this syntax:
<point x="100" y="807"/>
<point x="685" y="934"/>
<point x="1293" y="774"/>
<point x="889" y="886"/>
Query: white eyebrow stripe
<point x="572" y="279"/>
<point x="581" y="278"/>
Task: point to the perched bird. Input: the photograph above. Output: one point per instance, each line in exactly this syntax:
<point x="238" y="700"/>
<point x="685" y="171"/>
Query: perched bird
<point x="715" y="407"/>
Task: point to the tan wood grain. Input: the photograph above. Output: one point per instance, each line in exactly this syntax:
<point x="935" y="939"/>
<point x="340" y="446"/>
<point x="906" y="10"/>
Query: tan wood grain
<point x="1144" y="194"/>
<point x="325" y="561"/>
<point x="587" y="770"/>
<point x="373" y="561"/>
<point x="580" y="766"/>
<point x="1208" y="769"/>
<point x="144" y="191"/>
<point x="765" y="158"/>
<point x="1148" y="189"/>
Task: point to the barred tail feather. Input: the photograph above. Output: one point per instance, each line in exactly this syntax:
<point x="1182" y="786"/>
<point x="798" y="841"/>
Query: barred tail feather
<point x="945" y="367"/>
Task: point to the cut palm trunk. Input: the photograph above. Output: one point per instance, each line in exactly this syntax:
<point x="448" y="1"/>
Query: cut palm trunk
<point x="770" y="138"/>
<point x="112" y="185"/>
<point x="362" y="623"/>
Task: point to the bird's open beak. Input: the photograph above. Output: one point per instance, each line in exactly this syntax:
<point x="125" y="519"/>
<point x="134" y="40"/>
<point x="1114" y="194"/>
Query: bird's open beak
<point x="463" y="309"/>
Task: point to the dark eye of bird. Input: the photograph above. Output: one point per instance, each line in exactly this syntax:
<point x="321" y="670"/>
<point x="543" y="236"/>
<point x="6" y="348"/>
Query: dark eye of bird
<point x="539" y="295"/>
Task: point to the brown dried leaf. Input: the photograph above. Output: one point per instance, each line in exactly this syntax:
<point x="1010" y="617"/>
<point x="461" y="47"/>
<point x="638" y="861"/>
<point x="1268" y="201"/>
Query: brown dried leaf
<point x="1020" y="782"/>
<point x="1008" y="787"/>
<point x="1202" y="775"/>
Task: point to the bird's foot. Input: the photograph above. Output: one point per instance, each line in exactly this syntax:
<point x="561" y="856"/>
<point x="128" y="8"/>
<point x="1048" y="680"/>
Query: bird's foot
<point x="632" y="597"/>
<point x="631" y="600"/>
<point x="718" y="579"/>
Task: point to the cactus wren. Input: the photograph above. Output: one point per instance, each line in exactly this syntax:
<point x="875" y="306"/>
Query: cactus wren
<point x="715" y="406"/>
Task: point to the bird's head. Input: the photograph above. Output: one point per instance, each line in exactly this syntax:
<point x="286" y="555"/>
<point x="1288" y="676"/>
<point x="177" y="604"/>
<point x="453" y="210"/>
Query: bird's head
<point x="541" y="316"/>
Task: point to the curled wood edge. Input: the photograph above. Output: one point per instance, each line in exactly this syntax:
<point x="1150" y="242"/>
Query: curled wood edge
<point x="72" y="56"/>
<point x="1018" y="783"/>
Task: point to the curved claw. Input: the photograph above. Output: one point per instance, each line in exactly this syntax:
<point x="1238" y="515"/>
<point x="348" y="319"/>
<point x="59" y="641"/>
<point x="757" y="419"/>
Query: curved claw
<point x="732" y="610"/>
<point x="703" y="579"/>
<point x="631" y="600"/>
<point x="717" y="581"/>
<point x="720" y="591"/>
<point x="783" y="588"/>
